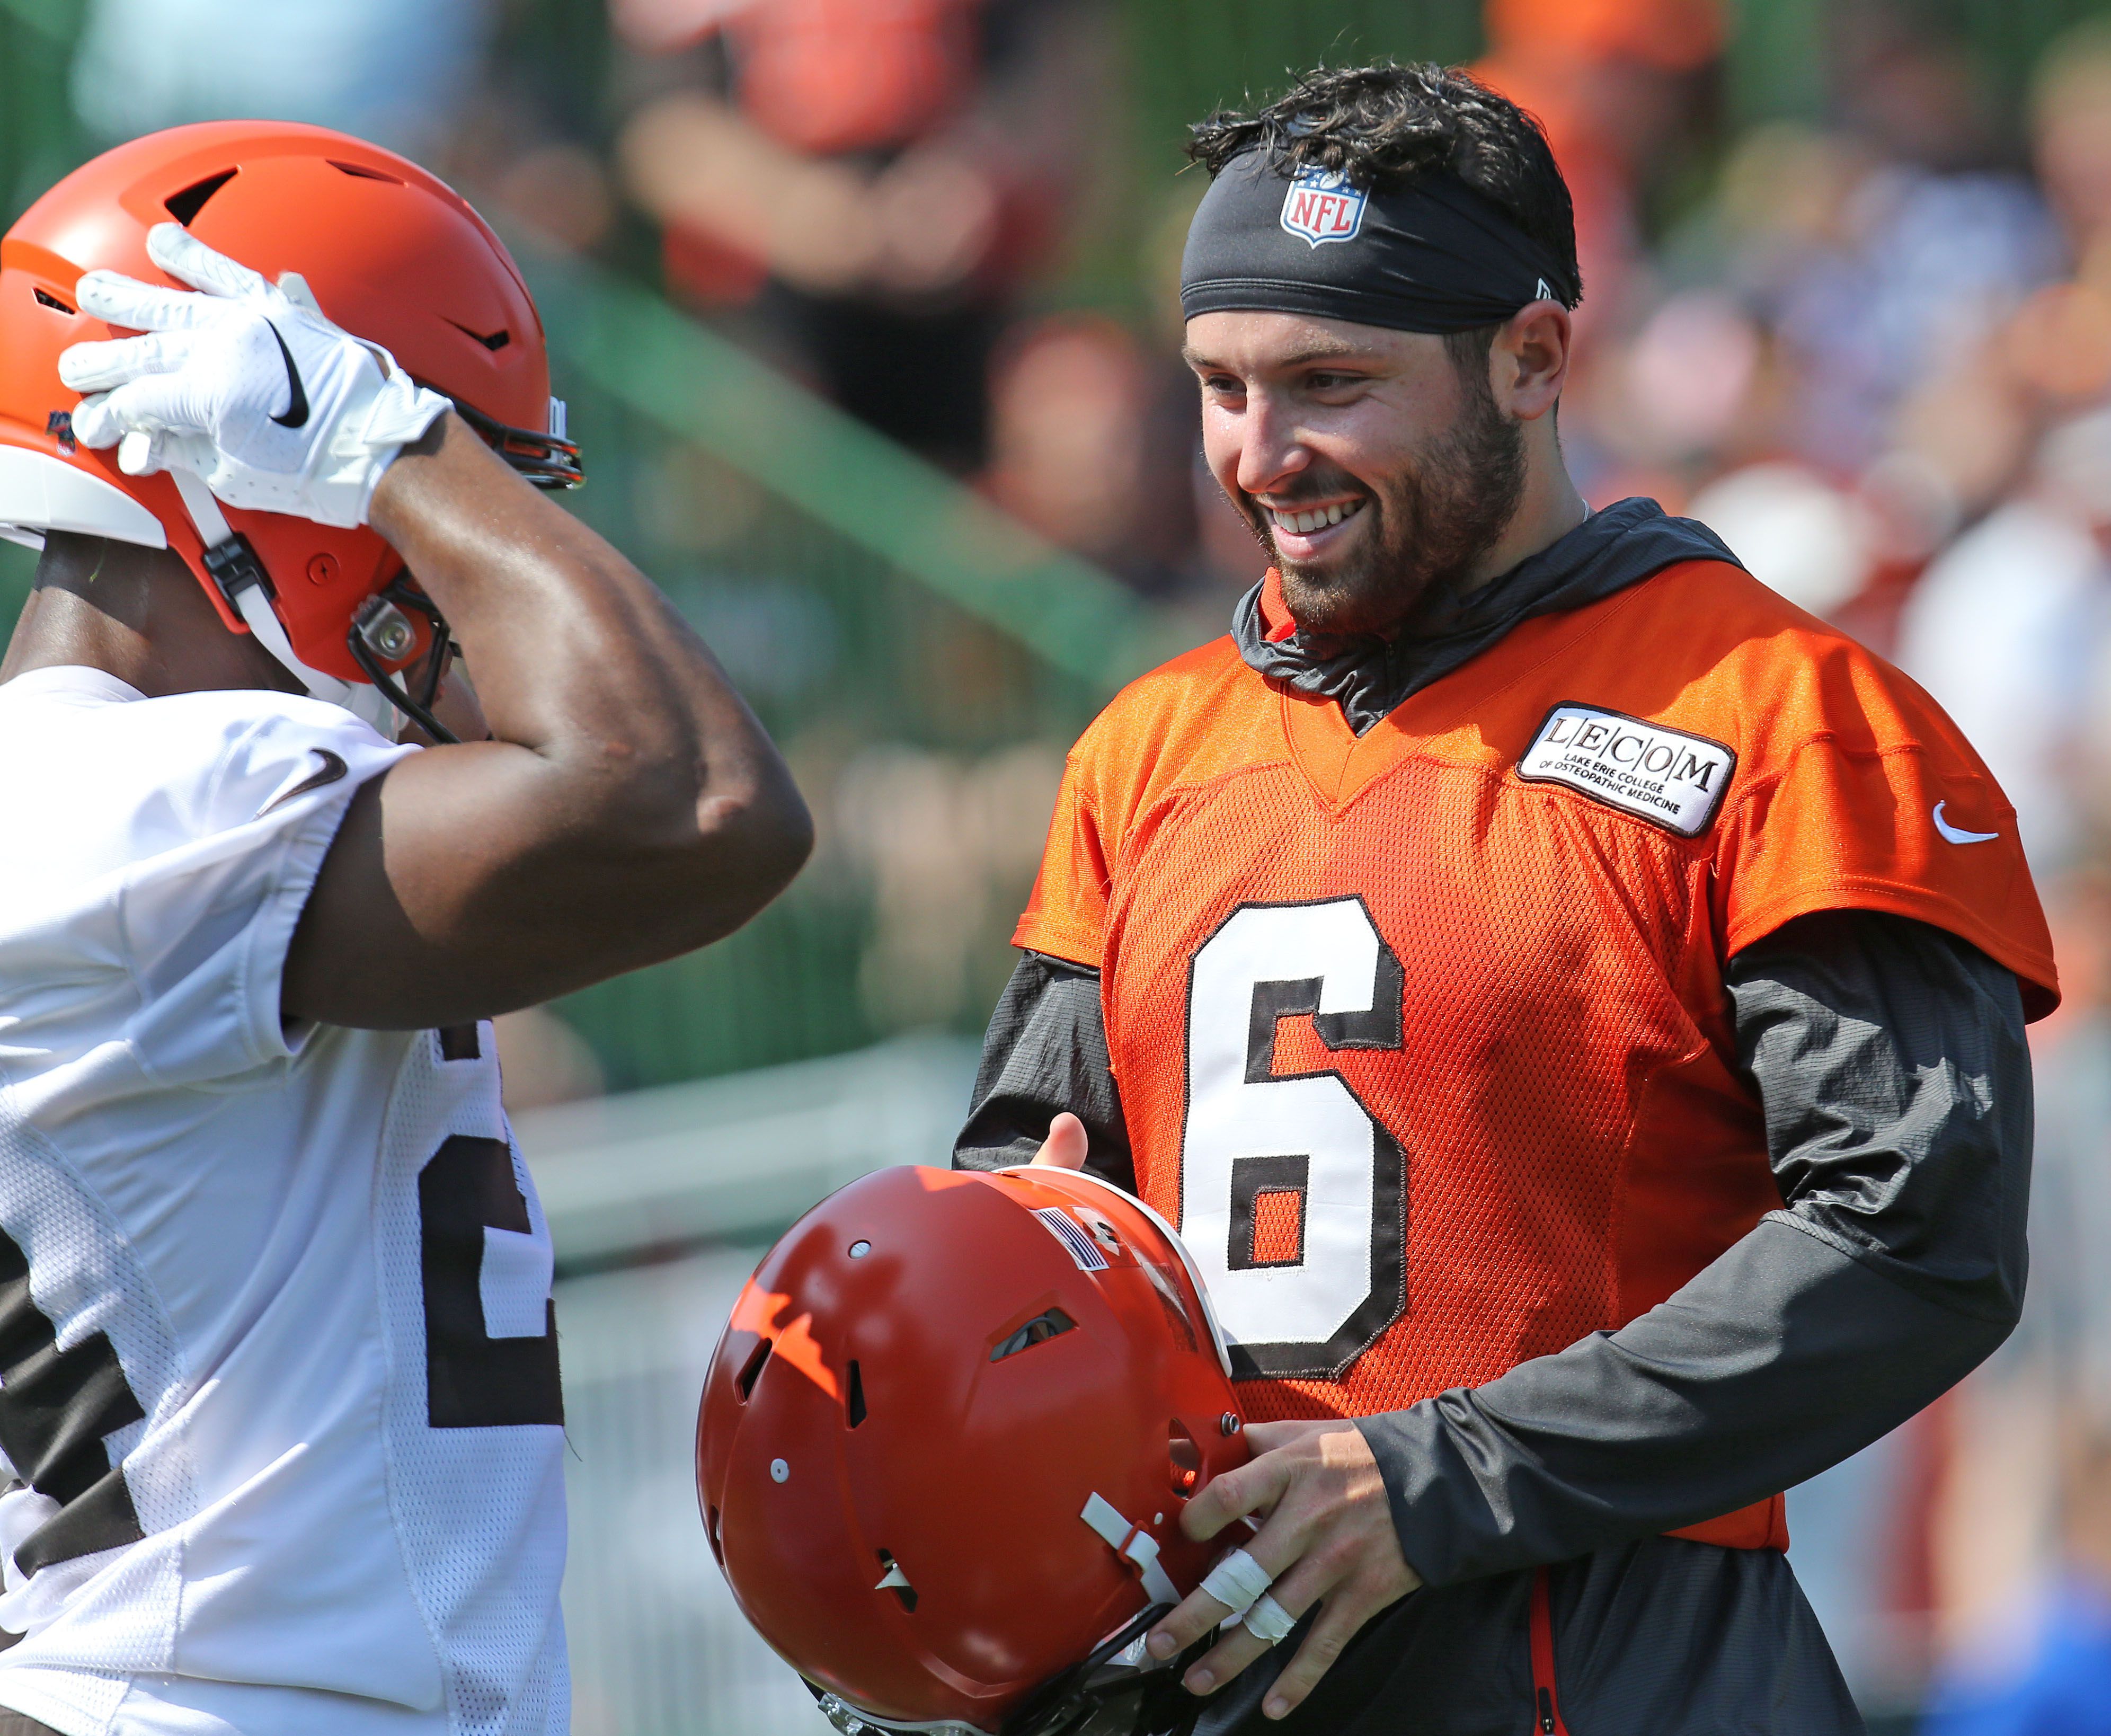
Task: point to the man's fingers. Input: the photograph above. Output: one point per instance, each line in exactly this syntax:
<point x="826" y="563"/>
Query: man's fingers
<point x="125" y="301"/>
<point x="1066" y="1146"/>
<point x="1272" y="1549"/>
<point x="1339" y="1622"/>
<point x="140" y="453"/>
<point x="91" y="427"/>
<point x="117" y="361"/>
<point x="181" y="254"/>
<point x="1266" y="1437"/>
<point x="161" y="403"/>
<point x="1197" y="1614"/>
<point x="1254" y="1487"/>
<point x="1236" y="1649"/>
<point x="1304" y="1583"/>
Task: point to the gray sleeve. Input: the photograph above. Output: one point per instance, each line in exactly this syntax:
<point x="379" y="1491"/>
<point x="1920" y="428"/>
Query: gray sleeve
<point x="1890" y="1061"/>
<point x="1046" y="1050"/>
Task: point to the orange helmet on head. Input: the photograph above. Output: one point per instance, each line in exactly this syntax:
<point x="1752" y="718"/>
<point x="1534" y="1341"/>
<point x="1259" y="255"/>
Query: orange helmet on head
<point x="390" y="254"/>
<point x="946" y="1440"/>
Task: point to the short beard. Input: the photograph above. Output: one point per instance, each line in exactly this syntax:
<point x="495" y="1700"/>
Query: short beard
<point x="1434" y="521"/>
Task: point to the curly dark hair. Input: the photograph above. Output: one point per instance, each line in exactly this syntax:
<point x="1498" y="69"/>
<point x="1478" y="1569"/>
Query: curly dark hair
<point x="1385" y="126"/>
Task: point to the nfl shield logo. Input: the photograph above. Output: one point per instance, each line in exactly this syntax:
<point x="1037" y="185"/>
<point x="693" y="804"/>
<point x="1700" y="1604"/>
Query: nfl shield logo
<point x="1321" y="206"/>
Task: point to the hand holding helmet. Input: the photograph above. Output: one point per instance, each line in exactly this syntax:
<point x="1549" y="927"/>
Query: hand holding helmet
<point x="1326" y="1542"/>
<point x="243" y="383"/>
<point x="946" y="1443"/>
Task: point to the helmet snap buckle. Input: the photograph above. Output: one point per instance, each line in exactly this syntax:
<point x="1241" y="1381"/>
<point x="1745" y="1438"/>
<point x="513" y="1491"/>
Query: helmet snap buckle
<point x="385" y="629"/>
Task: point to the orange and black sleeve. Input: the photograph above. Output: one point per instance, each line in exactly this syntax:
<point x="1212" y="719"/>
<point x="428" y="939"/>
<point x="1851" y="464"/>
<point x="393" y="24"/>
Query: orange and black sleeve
<point x="1860" y="794"/>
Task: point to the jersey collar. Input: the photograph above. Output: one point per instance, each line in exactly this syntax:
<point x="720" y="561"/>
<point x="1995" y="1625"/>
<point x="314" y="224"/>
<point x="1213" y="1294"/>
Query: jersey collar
<point x="1369" y="676"/>
<point x="79" y="681"/>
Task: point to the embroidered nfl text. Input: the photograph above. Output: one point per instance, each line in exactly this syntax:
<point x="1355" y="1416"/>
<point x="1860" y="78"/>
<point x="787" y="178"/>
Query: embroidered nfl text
<point x="1323" y="205"/>
<point x="1666" y="776"/>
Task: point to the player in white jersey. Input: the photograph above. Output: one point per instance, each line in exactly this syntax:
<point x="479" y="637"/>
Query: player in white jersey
<point x="278" y="1372"/>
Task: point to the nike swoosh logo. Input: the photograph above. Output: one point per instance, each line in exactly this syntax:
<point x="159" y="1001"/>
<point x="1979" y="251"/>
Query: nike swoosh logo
<point x="296" y="413"/>
<point x="334" y="768"/>
<point x="1953" y="835"/>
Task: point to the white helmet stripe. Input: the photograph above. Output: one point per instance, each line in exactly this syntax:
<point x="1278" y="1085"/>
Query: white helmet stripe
<point x="39" y="493"/>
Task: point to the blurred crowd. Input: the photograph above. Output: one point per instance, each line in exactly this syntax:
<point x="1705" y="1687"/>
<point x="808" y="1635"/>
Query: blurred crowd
<point x="1872" y="350"/>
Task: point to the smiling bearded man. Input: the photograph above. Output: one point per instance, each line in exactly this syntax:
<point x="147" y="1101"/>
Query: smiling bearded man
<point x="1570" y="1001"/>
<point x="1422" y="529"/>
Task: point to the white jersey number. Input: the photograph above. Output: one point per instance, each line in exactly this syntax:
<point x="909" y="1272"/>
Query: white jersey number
<point x="1341" y="1279"/>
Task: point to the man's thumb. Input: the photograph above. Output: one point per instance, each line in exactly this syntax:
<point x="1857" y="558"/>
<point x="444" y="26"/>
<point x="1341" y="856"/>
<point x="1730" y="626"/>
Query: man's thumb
<point x="1066" y="1145"/>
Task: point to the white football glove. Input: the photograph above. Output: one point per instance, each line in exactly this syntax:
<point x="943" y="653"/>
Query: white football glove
<point x="245" y="384"/>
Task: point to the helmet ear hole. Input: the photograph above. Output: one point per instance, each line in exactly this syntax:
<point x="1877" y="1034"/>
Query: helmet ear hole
<point x="1184" y="1458"/>
<point x="751" y="1369"/>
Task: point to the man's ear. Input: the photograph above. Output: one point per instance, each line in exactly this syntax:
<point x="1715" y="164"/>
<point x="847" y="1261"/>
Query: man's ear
<point x="1529" y="361"/>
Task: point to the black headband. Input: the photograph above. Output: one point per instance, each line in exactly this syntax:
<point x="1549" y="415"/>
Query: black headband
<point x="1432" y="256"/>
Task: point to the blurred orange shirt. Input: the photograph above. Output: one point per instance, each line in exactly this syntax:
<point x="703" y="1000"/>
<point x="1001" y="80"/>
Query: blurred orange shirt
<point x="1422" y="1038"/>
<point x="828" y="76"/>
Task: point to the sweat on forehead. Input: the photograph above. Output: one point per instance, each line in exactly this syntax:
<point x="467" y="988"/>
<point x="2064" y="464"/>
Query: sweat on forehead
<point x="1432" y="256"/>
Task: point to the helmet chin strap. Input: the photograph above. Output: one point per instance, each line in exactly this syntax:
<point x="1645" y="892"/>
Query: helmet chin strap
<point x="365" y="702"/>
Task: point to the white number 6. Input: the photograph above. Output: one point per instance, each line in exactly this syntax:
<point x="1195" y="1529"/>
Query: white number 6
<point x="1249" y="1134"/>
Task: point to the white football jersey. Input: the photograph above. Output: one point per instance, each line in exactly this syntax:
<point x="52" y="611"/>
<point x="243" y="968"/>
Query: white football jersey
<point x="278" y="1360"/>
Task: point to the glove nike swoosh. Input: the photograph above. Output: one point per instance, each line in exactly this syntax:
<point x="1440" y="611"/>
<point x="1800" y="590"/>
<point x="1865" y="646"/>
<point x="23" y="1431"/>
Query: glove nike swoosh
<point x="296" y="413"/>
<point x="333" y="767"/>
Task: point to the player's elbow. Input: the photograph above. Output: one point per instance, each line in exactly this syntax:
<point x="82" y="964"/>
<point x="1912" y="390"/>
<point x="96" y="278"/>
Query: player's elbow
<point x="1980" y="1310"/>
<point x="754" y="840"/>
<point x="726" y="807"/>
<point x="698" y="843"/>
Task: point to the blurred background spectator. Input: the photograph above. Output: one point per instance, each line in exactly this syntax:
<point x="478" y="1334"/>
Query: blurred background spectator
<point x="864" y="310"/>
<point x="874" y="178"/>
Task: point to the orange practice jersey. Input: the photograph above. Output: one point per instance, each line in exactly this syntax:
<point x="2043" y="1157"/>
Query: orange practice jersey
<point x="1422" y="1039"/>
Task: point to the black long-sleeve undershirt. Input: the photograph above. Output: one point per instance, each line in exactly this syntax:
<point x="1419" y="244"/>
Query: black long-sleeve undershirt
<point x="1890" y="1059"/>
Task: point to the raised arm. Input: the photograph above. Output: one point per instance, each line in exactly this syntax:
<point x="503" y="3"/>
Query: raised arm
<point x="628" y="807"/>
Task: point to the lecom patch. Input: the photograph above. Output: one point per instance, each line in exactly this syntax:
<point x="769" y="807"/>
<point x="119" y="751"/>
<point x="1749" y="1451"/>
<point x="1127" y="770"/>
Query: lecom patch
<point x="1665" y="776"/>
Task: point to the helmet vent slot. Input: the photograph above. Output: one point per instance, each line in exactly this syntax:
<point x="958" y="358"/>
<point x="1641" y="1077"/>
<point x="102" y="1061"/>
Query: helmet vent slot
<point x="893" y="1579"/>
<point x="360" y="172"/>
<point x="712" y="1535"/>
<point x="492" y="341"/>
<point x="854" y="1399"/>
<point x="185" y="206"/>
<point x="46" y="300"/>
<point x="751" y="1369"/>
<point x="1184" y="1458"/>
<point x="1038" y="1331"/>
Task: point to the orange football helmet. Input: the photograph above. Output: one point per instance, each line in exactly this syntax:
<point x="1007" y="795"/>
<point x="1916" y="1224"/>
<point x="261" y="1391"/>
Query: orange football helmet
<point x="945" y="1444"/>
<point x="394" y="257"/>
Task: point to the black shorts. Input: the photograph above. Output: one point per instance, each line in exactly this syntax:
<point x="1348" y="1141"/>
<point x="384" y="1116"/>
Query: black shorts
<point x="1663" y="1636"/>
